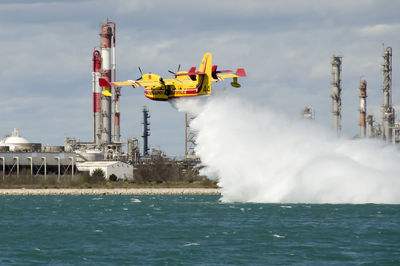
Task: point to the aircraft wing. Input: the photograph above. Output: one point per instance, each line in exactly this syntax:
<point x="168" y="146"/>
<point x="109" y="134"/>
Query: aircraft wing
<point x="135" y="83"/>
<point x="240" y="72"/>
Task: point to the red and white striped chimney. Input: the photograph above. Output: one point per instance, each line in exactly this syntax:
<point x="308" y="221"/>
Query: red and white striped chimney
<point x="96" y="98"/>
<point x="116" y="129"/>
<point x="105" y="46"/>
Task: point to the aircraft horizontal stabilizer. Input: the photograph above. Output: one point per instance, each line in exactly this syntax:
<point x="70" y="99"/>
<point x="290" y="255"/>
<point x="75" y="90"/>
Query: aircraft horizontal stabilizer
<point x="240" y="72"/>
<point x="104" y="83"/>
<point x="191" y="72"/>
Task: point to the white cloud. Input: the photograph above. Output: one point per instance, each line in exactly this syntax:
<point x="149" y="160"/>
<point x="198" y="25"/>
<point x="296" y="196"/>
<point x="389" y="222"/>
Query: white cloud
<point x="246" y="7"/>
<point x="380" y="30"/>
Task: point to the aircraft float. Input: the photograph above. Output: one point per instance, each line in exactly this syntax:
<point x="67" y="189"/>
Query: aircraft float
<point x="185" y="84"/>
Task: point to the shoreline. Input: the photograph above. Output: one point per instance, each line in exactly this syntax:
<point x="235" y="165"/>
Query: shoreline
<point x="110" y="191"/>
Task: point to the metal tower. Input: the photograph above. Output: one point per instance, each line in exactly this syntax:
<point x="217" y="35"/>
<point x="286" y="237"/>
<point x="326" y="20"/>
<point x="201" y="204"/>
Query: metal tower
<point x="387" y="108"/>
<point x="363" y="108"/>
<point x="370" y="126"/>
<point x="146" y="130"/>
<point x="336" y="97"/>
<point x="190" y="137"/>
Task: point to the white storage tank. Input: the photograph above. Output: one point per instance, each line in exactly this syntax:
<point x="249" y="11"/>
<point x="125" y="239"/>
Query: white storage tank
<point x="15" y="142"/>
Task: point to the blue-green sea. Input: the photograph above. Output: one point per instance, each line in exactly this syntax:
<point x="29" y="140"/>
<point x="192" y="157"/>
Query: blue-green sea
<point x="193" y="230"/>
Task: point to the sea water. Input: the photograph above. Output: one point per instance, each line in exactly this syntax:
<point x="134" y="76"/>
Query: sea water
<point x="193" y="230"/>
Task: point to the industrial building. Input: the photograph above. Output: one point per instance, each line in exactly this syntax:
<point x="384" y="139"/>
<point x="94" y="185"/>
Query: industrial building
<point x="122" y="170"/>
<point x="18" y="155"/>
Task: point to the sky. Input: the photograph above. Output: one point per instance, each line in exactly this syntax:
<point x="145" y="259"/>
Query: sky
<point x="285" y="46"/>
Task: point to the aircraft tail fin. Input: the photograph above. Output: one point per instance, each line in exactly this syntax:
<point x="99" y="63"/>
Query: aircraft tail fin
<point x="206" y="64"/>
<point x="205" y="74"/>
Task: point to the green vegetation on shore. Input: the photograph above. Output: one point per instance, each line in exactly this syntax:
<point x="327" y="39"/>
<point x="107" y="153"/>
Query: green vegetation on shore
<point x="159" y="174"/>
<point x="86" y="181"/>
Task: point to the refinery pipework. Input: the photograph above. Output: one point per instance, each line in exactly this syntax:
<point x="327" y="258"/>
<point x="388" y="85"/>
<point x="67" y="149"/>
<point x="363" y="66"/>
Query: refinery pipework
<point x="336" y="95"/>
<point x="370" y="126"/>
<point x="117" y="135"/>
<point x="387" y="108"/>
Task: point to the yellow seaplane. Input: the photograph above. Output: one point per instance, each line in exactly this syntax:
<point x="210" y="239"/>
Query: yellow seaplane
<point x="185" y="83"/>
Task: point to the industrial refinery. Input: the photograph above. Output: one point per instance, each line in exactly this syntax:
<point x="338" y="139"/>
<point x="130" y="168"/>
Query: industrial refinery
<point x="388" y="129"/>
<point x="106" y="151"/>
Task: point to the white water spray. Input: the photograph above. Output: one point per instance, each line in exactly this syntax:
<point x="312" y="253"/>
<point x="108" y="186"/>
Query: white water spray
<point x="260" y="156"/>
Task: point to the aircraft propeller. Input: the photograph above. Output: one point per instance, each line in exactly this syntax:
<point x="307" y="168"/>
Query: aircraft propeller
<point x="141" y="74"/>
<point x="174" y="73"/>
<point x="214" y="71"/>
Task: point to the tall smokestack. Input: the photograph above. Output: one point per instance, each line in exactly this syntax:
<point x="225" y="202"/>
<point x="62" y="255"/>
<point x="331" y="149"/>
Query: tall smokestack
<point x="117" y="91"/>
<point x="97" y="123"/>
<point x="105" y="45"/>
<point x="363" y="108"/>
<point x="146" y="131"/>
<point x="387" y="108"/>
<point x="336" y="95"/>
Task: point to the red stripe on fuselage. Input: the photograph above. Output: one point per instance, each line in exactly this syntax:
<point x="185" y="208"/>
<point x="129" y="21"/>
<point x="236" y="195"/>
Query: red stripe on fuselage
<point x="192" y="91"/>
